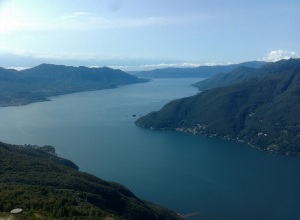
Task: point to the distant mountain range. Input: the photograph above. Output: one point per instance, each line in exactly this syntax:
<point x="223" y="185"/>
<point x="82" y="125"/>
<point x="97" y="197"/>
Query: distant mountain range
<point x="243" y="72"/>
<point x="260" y="107"/>
<point x="46" y="186"/>
<point x="45" y="80"/>
<point x="197" y="72"/>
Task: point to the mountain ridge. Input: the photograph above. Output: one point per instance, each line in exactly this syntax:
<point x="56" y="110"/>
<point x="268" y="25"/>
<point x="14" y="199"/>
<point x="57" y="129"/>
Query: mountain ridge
<point x="262" y="112"/>
<point x="38" y="83"/>
<point x="243" y="73"/>
<point x="194" y="72"/>
<point x="42" y="184"/>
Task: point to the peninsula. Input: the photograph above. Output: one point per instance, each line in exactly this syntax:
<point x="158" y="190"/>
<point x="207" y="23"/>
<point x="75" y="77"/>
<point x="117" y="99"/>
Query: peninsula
<point x="262" y="110"/>
<point x="38" y="83"/>
<point x="44" y="186"/>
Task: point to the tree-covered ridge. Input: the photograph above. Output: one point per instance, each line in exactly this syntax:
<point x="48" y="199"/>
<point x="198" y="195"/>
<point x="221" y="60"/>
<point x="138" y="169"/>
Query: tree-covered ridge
<point x="46" y="186"/>
<point x="263" y="112"/>
<point x="45" y="80"/>
<point x="244" y="72"/>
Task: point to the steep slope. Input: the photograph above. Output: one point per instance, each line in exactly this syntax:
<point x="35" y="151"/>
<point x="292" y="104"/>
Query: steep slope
<point x="263" y="112"/>
<point x="42" y="184"/>
<point x="242" y="73"/>
<point x="197" y="72"/>
<point x="38" y="83"/>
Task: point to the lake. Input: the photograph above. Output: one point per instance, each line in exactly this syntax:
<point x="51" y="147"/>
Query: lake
<point x="201" y="177"/>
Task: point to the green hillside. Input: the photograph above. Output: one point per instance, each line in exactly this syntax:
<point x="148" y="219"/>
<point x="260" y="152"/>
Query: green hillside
<point x="263" y="112"/>
<point x="45" y="80"/>
<point x="48" y="187"/>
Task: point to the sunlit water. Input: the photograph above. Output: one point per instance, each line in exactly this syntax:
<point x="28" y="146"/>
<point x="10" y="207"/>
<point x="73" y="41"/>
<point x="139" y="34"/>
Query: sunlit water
<point x="213" y="178"/>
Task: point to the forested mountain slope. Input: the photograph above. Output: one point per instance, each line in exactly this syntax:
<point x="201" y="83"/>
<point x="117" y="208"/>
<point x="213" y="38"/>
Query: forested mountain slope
<point x="45" y="80"/>
<point x="48" y="187"/>
<point x="263" y="112"/>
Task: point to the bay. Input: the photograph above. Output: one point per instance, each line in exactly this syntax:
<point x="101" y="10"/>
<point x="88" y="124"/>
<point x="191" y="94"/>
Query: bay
<point x="201" y="177"/>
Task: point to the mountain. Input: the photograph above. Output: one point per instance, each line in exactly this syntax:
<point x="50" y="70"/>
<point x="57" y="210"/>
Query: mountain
<point x="45" y="80"/>
<point x="46" y="186"/>
<point x="197" y="72"/>
<point x="242" y="73"/>
<point x="263" y="112"/>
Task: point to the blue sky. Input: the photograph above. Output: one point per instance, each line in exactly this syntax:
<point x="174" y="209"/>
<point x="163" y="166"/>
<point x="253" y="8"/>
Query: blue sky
<point x="148" y="33"/>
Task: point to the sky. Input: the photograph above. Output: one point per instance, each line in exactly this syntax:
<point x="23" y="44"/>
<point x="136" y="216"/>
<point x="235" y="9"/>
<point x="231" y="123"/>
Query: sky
<point x="135" y="34"/>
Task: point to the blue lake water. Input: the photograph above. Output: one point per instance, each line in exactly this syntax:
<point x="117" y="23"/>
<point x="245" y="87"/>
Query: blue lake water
<point x="214" y="178"/>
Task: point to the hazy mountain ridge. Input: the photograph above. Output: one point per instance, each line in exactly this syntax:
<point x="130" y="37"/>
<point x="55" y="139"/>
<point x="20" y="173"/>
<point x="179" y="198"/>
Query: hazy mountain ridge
<point x="243" y="73"/>
<point x="263" y="112"/>
<point x="37" y="181"/>
<point x="45" y="80"/>
<point x="196" y="72"/>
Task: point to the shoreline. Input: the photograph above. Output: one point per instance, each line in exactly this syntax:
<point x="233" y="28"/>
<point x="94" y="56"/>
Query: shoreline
<point x="215" y="135"/>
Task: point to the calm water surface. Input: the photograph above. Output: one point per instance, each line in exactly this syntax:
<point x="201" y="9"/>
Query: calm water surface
<point x="190" y="174"/>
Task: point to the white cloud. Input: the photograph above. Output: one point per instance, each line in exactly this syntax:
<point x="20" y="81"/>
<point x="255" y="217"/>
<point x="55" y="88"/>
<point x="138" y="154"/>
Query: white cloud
<point x="277" y="55"/>
<point x="18" y="68"/>
<point x="75" y="15"/>
<point x="14" y="19"/>
<point x="90" y="21"/>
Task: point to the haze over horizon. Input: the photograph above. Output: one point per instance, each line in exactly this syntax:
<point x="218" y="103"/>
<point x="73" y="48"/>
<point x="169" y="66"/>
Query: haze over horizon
<point x="131" y="35"/>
